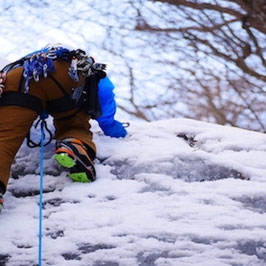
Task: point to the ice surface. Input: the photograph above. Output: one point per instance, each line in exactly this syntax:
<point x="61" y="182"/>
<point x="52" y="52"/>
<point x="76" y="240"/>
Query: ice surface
<point x="159" y="199"/>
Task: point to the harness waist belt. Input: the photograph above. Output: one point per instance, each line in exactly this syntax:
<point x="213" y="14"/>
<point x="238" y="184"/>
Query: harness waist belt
<point x="61" y="105"/>
<point x="29" y="101"/>
<point x="22" y="100"/>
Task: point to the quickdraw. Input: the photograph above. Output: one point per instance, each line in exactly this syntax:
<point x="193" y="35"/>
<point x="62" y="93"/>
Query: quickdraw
<point x="38" y="65"/>
<point x="2" y="81"/>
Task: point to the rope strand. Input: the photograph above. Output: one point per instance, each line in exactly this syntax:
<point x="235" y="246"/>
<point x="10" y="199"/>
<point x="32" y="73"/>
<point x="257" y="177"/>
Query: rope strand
<point x="41" y="190"/>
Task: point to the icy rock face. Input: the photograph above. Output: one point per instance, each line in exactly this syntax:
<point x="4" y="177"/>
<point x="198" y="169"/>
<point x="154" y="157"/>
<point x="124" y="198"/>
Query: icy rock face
<point x="27" y="162"/>
<point x="187" y="169"/>
<point x="186" y="156"/>
<point x="173" y="193"/>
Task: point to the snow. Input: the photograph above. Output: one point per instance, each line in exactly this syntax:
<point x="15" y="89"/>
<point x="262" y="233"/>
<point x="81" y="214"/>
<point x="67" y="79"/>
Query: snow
<point x="158" y="200"/>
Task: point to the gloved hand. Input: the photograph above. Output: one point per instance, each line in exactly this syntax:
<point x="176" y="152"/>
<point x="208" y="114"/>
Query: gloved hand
<point x="115" y="129"/>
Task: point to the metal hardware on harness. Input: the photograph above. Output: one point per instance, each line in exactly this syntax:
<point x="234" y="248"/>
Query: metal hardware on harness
<point x="2" y="81"/>
<point x="125" y="124"/>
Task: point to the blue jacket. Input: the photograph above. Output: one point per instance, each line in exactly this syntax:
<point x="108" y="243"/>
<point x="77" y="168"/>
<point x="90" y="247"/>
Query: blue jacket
<point x="107" y="101"/>
<point x="106" y="121"/>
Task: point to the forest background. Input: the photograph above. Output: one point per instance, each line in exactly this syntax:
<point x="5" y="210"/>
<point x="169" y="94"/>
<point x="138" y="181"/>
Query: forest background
<point x="203" y="59"/>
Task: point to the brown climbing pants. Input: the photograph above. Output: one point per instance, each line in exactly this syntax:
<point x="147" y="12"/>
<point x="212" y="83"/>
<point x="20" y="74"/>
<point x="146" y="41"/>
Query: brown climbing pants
<point x="15" y="121"/>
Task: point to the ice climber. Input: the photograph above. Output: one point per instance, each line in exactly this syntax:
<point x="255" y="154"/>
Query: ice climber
<point x="72" y="88"/>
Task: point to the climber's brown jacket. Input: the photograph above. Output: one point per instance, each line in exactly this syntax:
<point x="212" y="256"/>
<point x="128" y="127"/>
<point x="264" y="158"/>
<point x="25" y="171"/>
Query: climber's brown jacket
<point x="15" y="121"/>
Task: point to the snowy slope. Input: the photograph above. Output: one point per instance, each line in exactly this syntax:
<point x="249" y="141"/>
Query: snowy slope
<point x="158" y="200"/>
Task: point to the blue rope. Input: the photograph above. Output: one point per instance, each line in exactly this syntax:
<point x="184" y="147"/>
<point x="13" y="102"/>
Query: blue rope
<point x="41" y="190"/>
